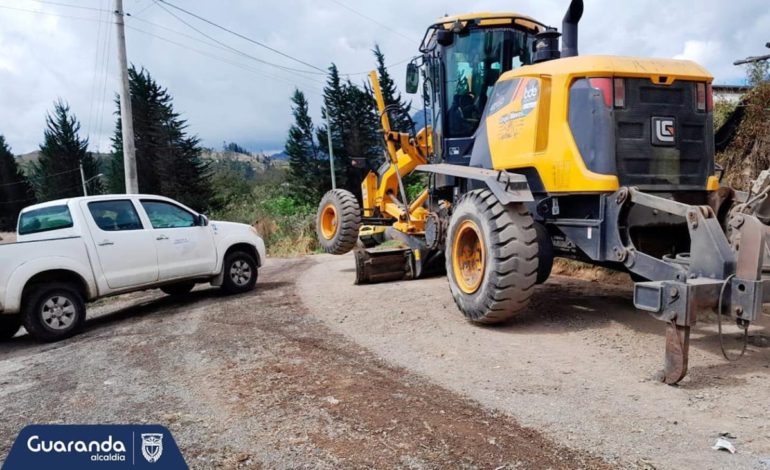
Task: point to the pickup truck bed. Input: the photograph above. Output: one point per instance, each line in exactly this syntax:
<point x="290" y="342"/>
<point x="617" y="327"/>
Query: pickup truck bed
<point x="50" y="253"/>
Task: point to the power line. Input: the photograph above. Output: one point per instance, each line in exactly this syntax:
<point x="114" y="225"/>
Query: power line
<point x="193" y="38"/>
<point x="382" y="25"/>
<point x="61" y="192"/>
<point x="254" y="41"/>
<point x="52" y="174"/>
<point x="246" y="38"/>
<point x="106" y="55"/>
<point x="150" y="4"/>
<point x="49" y="13"/>
<point x="212" y="56"/>
<point x="223" y="45"/>
<point x="68" y="5"/>
<point x="95" y="82"/>
<point x="403" y="61"/>
<point x="237" y="51"/>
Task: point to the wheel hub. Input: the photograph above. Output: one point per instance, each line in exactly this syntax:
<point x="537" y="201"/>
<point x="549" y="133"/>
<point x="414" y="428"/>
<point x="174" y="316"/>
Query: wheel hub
<point x="468" y="257"/>
<point x="58" y="313"/>
<point x="240" y="273"/>
<point x="329" y="221"/>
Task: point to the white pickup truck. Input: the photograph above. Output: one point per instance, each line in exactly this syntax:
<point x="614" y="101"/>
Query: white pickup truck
<point x="73" y="251"/>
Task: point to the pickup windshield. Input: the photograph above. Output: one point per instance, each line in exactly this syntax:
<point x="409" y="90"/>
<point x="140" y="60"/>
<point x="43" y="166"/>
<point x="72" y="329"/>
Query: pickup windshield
<point x="45" y="219"/>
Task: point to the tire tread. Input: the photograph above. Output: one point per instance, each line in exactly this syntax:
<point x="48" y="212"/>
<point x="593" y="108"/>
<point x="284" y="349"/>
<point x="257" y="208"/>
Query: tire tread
<point x="513" y="252"/>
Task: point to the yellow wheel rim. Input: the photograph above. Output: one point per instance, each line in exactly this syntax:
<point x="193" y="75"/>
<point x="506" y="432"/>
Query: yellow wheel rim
<point x="468" y="258"/>
<point x="329" y="221"/>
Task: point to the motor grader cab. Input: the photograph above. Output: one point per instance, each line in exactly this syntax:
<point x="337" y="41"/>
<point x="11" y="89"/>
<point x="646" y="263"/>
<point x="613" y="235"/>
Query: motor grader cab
<point x="532" y="152"/>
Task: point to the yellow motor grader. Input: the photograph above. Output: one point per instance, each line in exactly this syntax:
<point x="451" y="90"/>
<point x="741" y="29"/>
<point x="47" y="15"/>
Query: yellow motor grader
<point x="533" y="152"/>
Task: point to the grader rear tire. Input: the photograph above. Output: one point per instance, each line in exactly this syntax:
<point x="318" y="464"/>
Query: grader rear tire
<point x="338" y="221"/>
<point x="491" y="257"/>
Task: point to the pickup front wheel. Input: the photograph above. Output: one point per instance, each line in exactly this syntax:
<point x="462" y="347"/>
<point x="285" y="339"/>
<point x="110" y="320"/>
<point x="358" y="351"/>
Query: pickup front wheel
<point x="53" y="312"/>
<point x="240" y="273"/>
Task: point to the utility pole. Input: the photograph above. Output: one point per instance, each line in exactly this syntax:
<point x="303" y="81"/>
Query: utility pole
<point x="331" y="151"/>
<point x="83" y="180"/>
<point x="126" y="116"/>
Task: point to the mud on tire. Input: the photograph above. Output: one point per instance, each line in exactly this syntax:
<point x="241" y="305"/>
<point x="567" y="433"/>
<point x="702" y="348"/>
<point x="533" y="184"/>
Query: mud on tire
<point x="492" y="279"/>
<point x="338" y="221"/>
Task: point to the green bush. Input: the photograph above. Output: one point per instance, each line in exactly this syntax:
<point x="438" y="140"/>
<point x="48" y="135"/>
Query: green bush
<point x="286" y="225"/>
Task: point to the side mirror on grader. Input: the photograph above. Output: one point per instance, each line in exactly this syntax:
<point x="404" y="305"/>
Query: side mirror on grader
<point x="412" y="78"/>
<point x="533" y="153"/>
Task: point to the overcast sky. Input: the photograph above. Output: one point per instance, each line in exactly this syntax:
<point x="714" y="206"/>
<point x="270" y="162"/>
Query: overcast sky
<point x="59" y="52"/>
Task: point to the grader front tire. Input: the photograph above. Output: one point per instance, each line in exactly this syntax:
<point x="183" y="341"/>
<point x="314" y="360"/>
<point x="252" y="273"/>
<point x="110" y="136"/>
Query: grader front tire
<point x="338" y="222"/>
<point x="491" y="257"/>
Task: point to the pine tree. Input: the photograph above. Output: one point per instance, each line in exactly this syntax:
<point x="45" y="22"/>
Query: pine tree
<point x="56" y="174"/>
<point x="398" y="119"/>
<point x="168" y="161"/>
<point x="234" y="147"/>
<point x="15" y="190"/>
<point x="351" y="112"/>
<point x="309" y="168"/>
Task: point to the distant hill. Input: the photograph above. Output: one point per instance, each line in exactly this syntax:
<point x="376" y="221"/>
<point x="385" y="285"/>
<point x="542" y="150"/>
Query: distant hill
<point x="258" y="161"/>
<point x="280" y="156"/>
<point x="31" y="157"/>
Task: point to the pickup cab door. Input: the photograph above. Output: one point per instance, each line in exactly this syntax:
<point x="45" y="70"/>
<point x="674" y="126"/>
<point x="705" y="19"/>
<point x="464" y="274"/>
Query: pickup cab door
<point x="185" y="248"/>
<point x="125" y="248"/>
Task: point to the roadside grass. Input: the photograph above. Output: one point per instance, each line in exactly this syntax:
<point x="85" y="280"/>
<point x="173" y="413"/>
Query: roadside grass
<point x="287" y="226"/>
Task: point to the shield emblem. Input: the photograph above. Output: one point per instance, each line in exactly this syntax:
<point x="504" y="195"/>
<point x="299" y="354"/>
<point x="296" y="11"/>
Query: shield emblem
<point x="152" y="446"/>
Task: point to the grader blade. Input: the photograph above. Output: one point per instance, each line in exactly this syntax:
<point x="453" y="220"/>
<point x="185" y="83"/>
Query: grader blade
<point x="382" y="265"/>
<point x="677" y="353"/>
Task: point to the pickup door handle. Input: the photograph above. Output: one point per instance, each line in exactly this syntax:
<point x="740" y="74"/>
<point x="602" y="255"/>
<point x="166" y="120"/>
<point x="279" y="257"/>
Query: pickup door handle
<point x="162" y="237"/>
<point x="106" y="243"/>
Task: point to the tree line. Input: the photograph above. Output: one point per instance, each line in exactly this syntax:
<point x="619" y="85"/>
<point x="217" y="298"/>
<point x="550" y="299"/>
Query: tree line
<point x="351" y="111"/>
<point x="168" y="160"/>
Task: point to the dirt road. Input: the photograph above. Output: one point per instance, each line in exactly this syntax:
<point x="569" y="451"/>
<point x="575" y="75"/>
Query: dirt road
<point x="579" y="365"/>
<point x="259" y="381"/>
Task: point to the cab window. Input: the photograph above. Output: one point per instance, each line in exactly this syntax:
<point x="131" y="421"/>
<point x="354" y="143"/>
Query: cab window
<point x="474" y="62"/>
<point x="114" y="216"/>
<point x="165" y="215"/>
<point x="45" y="219"/>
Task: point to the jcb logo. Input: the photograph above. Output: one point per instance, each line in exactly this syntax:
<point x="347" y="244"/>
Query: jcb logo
<point x="663" y="131"/>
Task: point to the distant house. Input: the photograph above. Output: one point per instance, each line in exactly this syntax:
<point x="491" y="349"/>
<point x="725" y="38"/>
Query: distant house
<point x="730" y="93"/>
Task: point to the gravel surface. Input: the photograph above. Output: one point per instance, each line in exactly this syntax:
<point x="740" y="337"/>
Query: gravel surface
<point x="258" y="381"/>
<point x="579" y="365"/>
<point x="7" y="237"/>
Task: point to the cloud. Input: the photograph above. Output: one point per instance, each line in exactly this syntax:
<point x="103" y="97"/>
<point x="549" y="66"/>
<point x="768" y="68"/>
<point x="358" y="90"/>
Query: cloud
<point x="228" y="97"/>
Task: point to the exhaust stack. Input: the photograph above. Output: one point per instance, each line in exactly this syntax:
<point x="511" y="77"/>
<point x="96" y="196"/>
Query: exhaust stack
<point x="569" y="29"/>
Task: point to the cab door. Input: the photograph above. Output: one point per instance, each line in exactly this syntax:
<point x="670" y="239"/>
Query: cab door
<point x="125" y="248"/>
<point x="185" y="249"/>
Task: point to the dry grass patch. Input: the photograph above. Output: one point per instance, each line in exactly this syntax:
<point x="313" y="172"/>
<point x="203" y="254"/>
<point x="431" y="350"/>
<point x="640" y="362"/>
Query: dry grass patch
<point x="588" y="272"/>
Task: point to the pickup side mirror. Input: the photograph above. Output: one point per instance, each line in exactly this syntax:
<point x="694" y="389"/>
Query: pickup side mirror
<point x="202" y="220"/>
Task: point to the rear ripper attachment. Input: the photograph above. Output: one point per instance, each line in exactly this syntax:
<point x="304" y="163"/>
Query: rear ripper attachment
<point x="722" y="272"/>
